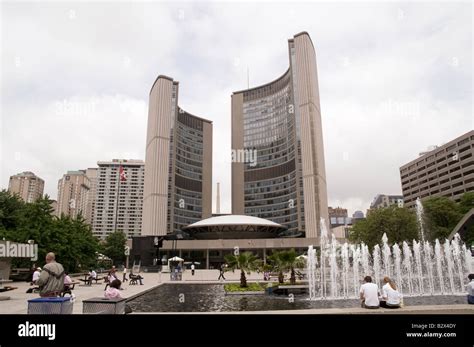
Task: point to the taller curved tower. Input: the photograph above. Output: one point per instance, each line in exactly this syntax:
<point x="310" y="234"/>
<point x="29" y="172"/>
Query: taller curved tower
<point x="278" y="169"/>
<point x="178" y="163"/>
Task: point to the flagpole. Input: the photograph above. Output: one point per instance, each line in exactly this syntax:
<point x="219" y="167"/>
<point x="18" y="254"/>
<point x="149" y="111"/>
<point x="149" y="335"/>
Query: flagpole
<point x="118" y="200"/>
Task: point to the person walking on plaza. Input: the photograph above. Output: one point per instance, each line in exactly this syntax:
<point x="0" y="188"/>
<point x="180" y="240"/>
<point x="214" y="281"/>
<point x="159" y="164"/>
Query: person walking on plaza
<point x="369" y="294"/>
<point x="470" y="290"/>
<point x="124" y="279"/>
<point x="221" y="273"/>
<point x="192" y="269"/>
<point x="111" y="276"/>
<point x="51" y="280"/>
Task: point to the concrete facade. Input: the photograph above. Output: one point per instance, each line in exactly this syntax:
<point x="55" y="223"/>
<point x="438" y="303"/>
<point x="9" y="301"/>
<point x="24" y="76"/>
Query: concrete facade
<point x="280" y="122"/>
<point x="73" y="194"/>
<point x="447" y="171"/>
<point x="178" y="175"/>
<point x="383" y="200"/>
<point x="91" y="174"/>
<point x="118" y="203"/>
<point x="27" y="186"/>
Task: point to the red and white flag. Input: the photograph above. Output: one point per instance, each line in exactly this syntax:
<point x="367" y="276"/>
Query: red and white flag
<point x="123" y="176"/>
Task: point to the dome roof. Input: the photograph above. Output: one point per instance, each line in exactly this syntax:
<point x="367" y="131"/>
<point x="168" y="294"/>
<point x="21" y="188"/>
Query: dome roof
<point x="233" y="219"/>
<point x="234" y="227"/>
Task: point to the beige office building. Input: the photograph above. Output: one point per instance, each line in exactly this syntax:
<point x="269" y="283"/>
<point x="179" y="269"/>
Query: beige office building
<point x="278" y="168"/>
<point x="384" y="200"/>
<point x="118" y="201"/>
<point x="91" y="174"/>
<point x="178" y="174"/>
<point x="27" y="186"/>
<point x="447" y="170"/>
<point x="73" y="194"/>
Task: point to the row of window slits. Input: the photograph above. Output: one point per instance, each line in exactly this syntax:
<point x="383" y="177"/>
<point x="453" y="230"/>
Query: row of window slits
<point x="188" y="184"/>
<point x="270" y="172"/>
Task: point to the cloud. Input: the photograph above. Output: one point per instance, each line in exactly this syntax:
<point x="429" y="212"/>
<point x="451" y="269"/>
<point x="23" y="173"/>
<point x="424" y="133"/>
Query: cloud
<point x="394" y="78"/>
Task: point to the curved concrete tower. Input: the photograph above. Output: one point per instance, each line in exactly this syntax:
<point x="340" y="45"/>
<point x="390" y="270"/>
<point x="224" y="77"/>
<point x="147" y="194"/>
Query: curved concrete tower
<point x="178" y="163"/>
<point x="278" y="169"/>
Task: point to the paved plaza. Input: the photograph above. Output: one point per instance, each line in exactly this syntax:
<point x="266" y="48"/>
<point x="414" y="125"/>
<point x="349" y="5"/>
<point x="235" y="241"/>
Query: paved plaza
<point x="18" y="302"/>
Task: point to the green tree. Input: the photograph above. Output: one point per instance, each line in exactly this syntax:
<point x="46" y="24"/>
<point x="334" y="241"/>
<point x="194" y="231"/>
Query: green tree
<point x="399" y="224"/>
<point x="246" y="262"/>
<point x="10" y="209"/>
<point x="276" y="261"/>
<point x="466" y="203"/>
<point x="114" y="246"/>
<point x="78" y="247"/>
<point x="441" y="216"/>
<point x="286" y="261"/>
<point x="70" y="239"/>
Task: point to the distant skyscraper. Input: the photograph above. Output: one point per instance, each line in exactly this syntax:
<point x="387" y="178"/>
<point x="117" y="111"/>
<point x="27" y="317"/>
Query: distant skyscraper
<point x="119" y="197"/>
<point x="278" y="168"/>
<point x="27" y="186"/>
<point x="73" y="194"/>
<point x="91" y="174"/>
<point x="447" y="170"/>
<point x="338" y="216"/>
<point x="383" y="200"/>
<point x="178" y="175"/>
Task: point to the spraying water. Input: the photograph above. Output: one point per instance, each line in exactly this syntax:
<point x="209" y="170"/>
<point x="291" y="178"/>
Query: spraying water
<point x="419" y="217"/>
<point x="419" y="269"/>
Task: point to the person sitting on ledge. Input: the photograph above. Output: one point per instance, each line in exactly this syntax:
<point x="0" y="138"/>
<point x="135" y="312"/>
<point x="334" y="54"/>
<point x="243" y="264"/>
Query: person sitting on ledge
<point x="470" y="290"/>
<point x="369" y="294"/>
<point x="391" y="297"/>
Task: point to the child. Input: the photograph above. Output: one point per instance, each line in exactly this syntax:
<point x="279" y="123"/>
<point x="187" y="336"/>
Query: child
<point x="113" y="291"/>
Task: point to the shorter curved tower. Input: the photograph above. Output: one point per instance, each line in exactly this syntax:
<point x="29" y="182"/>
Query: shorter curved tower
<point x="178" y="163"/>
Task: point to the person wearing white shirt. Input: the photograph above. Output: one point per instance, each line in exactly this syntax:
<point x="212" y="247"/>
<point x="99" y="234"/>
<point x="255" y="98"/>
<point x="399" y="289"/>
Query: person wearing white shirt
<point x="470" y="290"/>
<point x="369" y="294"/>
<point x="391" y="297"/>
<point x="192" y="269"/>
<point x="36" y="275"/>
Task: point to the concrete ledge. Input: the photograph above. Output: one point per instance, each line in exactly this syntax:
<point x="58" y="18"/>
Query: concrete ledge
<point x="428" y="309"/>
<point x="261" y="292"/>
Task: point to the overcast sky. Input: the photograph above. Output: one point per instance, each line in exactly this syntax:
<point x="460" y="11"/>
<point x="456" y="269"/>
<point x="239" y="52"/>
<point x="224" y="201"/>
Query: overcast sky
<point x="394" y="78"/>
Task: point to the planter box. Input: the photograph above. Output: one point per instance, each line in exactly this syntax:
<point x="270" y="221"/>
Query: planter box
<point x="260" y="292"/>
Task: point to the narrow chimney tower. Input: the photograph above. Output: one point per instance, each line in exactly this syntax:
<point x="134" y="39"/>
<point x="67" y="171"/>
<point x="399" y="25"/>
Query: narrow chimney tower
<point x="218" y="199"/>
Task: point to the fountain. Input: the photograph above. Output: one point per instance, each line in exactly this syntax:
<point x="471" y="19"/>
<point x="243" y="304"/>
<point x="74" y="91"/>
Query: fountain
<point x="419" y="217"/>
<point x="418" y="269"/>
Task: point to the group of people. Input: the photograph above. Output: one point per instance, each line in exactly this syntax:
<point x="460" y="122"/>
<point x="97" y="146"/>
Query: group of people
<point x="52" y="279"/>
<point x="371" y="297"/>
<point x="390" y="297"/>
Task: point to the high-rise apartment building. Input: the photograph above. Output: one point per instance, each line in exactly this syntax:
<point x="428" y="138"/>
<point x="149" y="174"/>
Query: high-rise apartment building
<point x="178" y="173"/>
<point x="119" y="197"/>
<point x="278" y="168"/>
<point x="91" y="174"/>
<point x="73" y="194"/>
<point x="27" y="186"/>
<point x="447" y="170"/>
